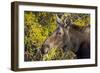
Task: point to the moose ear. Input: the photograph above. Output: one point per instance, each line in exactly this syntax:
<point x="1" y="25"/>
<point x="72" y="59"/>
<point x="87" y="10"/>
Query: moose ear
<point x="58" y="20"/>
<point x="67" y="22"/>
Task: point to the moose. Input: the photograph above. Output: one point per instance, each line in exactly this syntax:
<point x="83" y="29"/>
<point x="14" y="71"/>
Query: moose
<point x="69" y="36"/>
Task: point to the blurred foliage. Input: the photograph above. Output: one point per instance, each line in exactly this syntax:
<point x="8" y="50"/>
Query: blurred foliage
<point x="58" y="54"/>
<point x="81" y="19"/>
<point x="38" y="26"/>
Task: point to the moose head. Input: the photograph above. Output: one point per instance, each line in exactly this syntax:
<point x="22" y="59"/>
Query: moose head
<point x="66" y="36"/>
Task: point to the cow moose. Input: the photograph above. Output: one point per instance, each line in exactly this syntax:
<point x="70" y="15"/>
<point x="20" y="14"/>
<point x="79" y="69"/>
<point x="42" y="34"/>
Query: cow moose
<point x="69" y="36"/>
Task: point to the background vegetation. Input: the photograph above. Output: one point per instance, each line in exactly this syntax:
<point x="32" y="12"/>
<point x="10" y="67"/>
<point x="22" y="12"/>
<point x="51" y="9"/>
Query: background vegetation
<point x="38" y="26"/>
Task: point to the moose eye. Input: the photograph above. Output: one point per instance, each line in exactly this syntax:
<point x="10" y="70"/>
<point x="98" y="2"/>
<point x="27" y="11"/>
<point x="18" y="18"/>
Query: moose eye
<point x="58" y="33"/>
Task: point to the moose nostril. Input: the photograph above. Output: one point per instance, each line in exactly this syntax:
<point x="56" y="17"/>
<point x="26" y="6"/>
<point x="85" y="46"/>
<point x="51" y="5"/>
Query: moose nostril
<point x="45" y="48"/>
